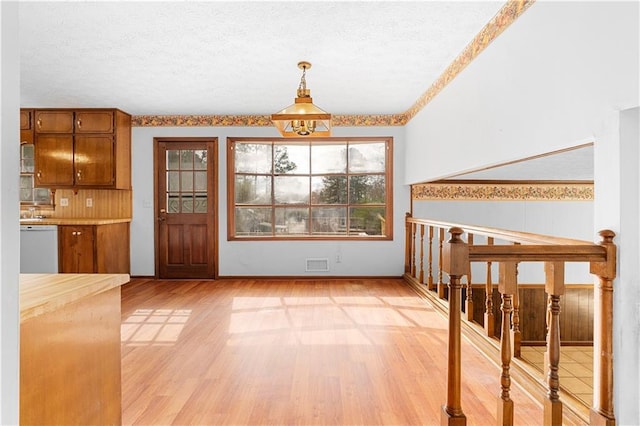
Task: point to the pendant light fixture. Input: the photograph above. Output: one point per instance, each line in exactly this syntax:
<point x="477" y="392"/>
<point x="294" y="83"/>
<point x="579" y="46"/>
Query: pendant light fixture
<point x="303" y="119"/>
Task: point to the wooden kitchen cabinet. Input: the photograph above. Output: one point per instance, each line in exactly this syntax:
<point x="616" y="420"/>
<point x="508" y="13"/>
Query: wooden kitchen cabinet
<point x="26" y="126"/>
<point x="54" y="121"/>
<point x="53" y="161"/>
<point x="84" y="148"/>
<point x="101" y="249"/>
<point x="76" y="247"/>
<point x="94" y="121"/>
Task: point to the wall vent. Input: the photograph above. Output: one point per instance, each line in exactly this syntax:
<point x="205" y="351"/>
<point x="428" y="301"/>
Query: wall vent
<point x="317" y="265"/>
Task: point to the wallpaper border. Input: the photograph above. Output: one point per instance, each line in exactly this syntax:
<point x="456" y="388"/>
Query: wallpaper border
<point x="503" y="192"/>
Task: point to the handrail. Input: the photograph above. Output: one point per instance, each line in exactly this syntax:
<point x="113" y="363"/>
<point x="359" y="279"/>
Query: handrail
<point x="502" y="234"/>
<point x="455" y="257"/>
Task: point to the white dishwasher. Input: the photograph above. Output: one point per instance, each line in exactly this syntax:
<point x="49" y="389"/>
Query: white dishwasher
<point x="38" y="249"/>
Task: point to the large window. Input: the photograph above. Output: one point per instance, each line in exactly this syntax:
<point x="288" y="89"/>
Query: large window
<point x="334" y="188"/>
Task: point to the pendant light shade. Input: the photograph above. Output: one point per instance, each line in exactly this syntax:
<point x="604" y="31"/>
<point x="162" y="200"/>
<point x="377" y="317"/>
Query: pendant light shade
<point x="302" y="118"/>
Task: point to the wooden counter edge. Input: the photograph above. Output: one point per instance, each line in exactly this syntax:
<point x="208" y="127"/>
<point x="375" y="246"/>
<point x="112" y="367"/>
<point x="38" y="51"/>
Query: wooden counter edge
<point x="43" y="293"/>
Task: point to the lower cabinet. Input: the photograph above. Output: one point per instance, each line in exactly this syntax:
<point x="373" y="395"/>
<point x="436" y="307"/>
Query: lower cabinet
<point x="87" y="249"/>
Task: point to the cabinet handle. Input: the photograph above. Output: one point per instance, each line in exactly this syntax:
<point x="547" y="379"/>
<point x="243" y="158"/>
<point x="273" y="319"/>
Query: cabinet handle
<point x="73" y="233"/>
<point x="78" y="233"/>
<point x="79" y="174"/>
<point x="79" y="123"/>
<point x="39" y="175"/>
<point x="39" y="123"/>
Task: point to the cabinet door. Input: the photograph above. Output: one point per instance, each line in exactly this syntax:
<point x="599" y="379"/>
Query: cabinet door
<point x="25" y="119"/>
<point x="93" y="160"/>
<point x="94" y="122"/>
<point x="76" y="249"/>
<point x="54" y="160"/>
<point x="54" y="121"/>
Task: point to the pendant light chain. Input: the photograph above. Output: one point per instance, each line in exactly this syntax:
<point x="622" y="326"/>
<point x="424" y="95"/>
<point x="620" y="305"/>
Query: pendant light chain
<point x="302" y="87"/>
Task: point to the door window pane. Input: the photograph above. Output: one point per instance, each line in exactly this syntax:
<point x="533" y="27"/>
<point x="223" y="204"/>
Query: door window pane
<point x="200" y="181"/>
<point x="186" y="159"/>
<point x="187" y="203"/>
<point x="173" y="159"/>
<point x="200" y="159"/>
<point x="173" y="181"/>
<point x="200" y="203"/>
<point x="173" y="203"/>
<point x="186" y="181"/>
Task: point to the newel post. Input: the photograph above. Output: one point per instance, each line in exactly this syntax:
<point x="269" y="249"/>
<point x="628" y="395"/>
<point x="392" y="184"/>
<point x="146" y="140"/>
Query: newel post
<point x="455" y="262"/>
<point x="602" y="411"/>
<point x="407" y="242"/>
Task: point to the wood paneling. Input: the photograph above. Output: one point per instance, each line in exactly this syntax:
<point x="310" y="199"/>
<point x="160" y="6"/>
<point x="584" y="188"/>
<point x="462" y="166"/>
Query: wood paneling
<point x="576" y="313"/>
<point x="70" y="364"/>
<point x="113" y="248"/>
<point x="110" y="204"/>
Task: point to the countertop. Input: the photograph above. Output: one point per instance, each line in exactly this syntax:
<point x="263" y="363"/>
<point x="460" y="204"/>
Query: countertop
<point x="42" y="293"/>
<point x="72" y="221"/>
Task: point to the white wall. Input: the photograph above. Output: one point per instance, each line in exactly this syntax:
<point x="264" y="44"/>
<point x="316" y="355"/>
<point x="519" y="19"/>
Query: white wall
<point x="255" y="258"/>
<point x="618" y="208"/>
<point x="559" y="76"/>
<point x="542" y="85"/>
<point x="9" y="208"/>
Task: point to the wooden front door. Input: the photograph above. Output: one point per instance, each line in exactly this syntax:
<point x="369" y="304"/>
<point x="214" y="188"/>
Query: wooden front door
<point x="186" y="207"/>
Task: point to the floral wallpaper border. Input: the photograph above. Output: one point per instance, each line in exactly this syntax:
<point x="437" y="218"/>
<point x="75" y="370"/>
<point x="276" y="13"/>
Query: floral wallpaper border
<point x="505" y="17"/>
<point x="257" y="120"/>
<point x="503" y="191"/>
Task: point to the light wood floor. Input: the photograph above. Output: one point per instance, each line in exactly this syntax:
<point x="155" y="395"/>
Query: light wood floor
<point x="305" y="352"/>
<point x="576" y="368"/>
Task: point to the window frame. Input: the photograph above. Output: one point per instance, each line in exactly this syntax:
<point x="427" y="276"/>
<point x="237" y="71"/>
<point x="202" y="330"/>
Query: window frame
<point x="231" y="180"/>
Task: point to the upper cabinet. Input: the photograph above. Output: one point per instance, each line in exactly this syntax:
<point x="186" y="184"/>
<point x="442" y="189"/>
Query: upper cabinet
<point x="26" y="126"/>
<point x="82" y="148"/>
<point x="54" y="121"/>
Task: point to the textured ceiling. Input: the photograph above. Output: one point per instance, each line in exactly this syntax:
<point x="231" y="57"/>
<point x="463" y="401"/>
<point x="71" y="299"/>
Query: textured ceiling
<point x="240" y="57"/>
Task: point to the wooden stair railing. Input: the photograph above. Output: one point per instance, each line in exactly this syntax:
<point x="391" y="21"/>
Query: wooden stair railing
<point x="455" y="257"/>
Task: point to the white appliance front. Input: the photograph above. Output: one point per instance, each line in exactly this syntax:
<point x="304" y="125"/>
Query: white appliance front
<point x="38" y="249"/>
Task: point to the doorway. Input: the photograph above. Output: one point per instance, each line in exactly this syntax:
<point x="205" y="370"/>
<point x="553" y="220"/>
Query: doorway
<point x="186" y="204"/>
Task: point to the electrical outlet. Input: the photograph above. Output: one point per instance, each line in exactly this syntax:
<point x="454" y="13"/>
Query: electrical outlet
<point x="338" y="258"/>
<point x="64" y="202"/>
<point x="89" y="202"/>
